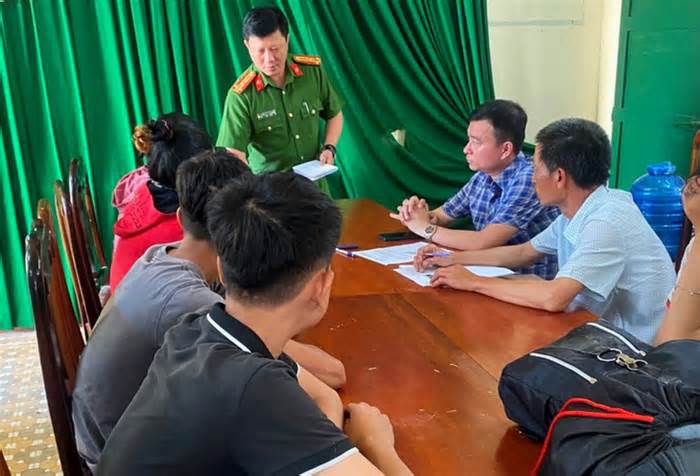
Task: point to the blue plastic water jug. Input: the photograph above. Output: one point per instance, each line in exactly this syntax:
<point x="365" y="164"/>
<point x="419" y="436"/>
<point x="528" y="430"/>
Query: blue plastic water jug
<point x="658" y="196"/>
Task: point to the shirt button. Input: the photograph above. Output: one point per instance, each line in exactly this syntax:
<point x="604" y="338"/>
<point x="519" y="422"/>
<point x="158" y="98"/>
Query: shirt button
<point x="301" y="157"/>
<point x="284" y="92"/>
<point x="291" y="115"/>
<point x="313" y="111"/>
<point x="296" y="136"/>
<point x="269" y="128"/>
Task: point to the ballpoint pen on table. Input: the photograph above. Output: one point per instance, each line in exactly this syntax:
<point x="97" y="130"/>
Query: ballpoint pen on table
<point x="347" y="253"/>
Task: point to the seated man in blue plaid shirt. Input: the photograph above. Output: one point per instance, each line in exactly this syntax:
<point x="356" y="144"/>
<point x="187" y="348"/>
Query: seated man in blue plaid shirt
<point x="500" y="198"/>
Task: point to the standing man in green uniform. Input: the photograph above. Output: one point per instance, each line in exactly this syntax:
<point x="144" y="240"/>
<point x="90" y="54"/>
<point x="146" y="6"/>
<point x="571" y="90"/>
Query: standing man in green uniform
<point x="272" y="113"/>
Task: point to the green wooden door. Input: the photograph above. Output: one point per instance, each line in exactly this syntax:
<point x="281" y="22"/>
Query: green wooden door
<point x="657" y="96"/>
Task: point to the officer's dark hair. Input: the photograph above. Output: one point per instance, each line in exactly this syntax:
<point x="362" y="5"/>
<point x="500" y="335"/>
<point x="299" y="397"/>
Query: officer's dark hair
<point x="197" y="180"/>
<point x="272" y="232"/>
<point x="264" y="21"/>
<point x="580" y="147"/>
<point x="168" y="141"/>
<point x="508" y="119"/>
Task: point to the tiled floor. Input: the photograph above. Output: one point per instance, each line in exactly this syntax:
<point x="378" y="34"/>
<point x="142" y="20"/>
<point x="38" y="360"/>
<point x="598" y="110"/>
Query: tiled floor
<point x="26" y="437"/>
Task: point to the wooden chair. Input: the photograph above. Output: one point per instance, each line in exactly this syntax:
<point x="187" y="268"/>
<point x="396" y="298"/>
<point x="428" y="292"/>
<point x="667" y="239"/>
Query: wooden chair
<point x="81" y="200"/>
<point x="65" y="306"/>
<point x="77" y="251"/>
<point x="687" y="232"/>
<point x="58" y="338"/>
<point x="4" y="470"/>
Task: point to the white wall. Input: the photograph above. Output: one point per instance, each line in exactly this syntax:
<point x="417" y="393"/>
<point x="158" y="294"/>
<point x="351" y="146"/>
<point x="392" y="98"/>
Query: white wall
<point x="557" y="58"/>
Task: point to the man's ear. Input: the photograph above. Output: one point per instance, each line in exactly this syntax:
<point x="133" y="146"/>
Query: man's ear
<point x="178" y="217"/>
<point x="507" y="149"/>
<point x="320" y="284"/>
<point x="328" y="276"/>
<point x="219" y="270"/>
<point x="560" y="178"/>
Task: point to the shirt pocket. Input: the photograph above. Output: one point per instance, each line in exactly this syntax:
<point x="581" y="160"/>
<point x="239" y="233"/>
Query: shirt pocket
<point x="310" y="109"/>
<point x="269" y="126"/>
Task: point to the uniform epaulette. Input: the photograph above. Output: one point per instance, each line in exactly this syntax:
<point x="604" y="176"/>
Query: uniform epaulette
<point x="307" y="59"/>
<point x="243" y="82"/>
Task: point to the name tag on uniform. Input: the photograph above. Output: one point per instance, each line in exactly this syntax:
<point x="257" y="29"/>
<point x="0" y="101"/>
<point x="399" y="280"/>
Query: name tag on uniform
<point x="267" y="114"/>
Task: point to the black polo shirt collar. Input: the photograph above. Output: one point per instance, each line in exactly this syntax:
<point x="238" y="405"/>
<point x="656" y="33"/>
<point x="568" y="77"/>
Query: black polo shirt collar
<point x="236" y="332"/>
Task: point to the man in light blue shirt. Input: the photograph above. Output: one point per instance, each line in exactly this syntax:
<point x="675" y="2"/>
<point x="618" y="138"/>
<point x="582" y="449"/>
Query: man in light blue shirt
<point x="610" y="260"/>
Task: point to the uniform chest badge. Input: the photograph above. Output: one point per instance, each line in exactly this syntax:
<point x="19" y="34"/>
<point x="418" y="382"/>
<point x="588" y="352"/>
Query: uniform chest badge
<point x="267" y="114"/>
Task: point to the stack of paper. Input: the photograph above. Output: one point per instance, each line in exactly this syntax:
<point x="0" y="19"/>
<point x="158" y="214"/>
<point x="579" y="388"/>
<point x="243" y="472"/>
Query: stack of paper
<point x="422" y="278"/>
<point x="314" y="169"/>
<point x="392" y="254"/>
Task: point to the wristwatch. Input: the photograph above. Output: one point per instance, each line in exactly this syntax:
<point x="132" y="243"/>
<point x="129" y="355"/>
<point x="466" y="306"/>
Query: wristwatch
<point x="330" y="147"/>
<point x="430" y="231"/>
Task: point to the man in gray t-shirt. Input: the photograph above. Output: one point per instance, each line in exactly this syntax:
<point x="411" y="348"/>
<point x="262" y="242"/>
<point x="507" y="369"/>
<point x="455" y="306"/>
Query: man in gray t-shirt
<point x="168" y="282"/>
<point x="158" y="290"/>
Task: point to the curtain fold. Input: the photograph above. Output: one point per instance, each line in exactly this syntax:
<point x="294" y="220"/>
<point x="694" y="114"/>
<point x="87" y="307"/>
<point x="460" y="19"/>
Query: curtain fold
<point x="77" y="76"/>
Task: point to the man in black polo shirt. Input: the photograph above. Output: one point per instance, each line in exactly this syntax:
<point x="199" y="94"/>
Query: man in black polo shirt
<point x="220" y="396"/>
<point x="167" y="282"/>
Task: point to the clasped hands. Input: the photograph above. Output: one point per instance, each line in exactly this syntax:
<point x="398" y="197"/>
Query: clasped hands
<point x="414" y="214"/>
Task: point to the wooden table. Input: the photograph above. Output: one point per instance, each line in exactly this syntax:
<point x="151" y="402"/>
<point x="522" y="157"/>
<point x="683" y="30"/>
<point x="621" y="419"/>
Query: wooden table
<point x="430" y="358"/>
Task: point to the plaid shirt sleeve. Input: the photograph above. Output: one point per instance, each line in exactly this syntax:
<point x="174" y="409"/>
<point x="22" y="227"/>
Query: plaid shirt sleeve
<point x="518" y="205"/>
<point x="458" y="205"/>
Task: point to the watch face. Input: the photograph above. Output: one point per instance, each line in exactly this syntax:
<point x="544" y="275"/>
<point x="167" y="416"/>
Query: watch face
<point x="430" y="229"/>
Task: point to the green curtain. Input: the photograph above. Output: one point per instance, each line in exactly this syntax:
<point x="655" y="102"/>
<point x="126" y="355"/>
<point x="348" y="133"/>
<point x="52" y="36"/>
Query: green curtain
<point x="77" y="75"/>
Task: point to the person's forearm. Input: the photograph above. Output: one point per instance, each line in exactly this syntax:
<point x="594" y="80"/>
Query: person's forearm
<point x="440" y="218"/>
<point x="387" y="461"/>
<point x="682" y="321"/>
<point x="327" y="368"/>
<point x="465" y="240"/>
<point x="538" y="294"/>
<point x="334" y="126"/>
<point x="506" y="256"/>
<point x="331" y="405"/>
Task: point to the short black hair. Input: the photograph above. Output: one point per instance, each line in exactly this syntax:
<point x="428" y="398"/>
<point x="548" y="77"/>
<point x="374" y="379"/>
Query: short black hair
<point x="272" y="232"/>
<point x="578" y="146"/>
<point x="197" y="180"/>
<point x="264" y="21"/>
<point x="508" y="119"/>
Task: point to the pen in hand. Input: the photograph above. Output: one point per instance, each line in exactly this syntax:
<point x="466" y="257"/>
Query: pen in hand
<point x="438" y="254"/>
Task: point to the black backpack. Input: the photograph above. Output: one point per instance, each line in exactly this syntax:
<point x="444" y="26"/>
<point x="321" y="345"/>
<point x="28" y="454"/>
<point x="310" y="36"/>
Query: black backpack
<point x="612" y="404"/>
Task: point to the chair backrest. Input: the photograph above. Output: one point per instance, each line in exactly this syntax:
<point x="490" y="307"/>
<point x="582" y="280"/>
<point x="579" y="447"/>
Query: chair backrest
<point x="687" y="226"/>
<point x="58" y="280"/>
<point x="76" y="248"/>
<point x="4" y="470"/>
<point x="81" y="200"/>
<point x="58" y="339"/>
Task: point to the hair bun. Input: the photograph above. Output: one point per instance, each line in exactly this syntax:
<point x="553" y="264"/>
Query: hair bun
<point x="143" y="139"/>
<point x="160" y="130"/>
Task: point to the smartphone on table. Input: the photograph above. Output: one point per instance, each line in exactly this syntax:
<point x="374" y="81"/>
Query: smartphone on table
<point x="398" y="236"/>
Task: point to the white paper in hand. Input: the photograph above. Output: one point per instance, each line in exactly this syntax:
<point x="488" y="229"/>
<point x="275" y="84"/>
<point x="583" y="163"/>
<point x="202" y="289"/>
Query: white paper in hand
<point x="314" y="169"/>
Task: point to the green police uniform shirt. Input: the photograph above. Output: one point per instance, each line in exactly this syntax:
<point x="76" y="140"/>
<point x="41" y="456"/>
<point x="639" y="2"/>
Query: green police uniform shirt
<point x="279" y="127"/>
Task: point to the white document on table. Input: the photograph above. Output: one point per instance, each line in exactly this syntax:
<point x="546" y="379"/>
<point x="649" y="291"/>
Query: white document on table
<point x="392" y="254"/>
<point x="422" y="278"/>
<point x="314" y="169"/>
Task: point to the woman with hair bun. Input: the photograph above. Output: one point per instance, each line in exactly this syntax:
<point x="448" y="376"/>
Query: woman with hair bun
<point x="147" y="202"/>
